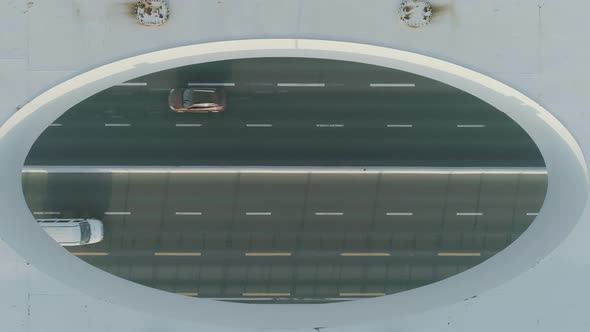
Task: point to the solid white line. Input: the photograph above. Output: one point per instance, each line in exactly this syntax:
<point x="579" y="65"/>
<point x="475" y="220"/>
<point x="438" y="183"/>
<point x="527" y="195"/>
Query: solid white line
<point x="189" y="213"/>
<point x="55" y="125"/>
<point x="400" y="126"/>
<point x="470" y="126"/>
<point x="284" y="170"/>
<point x="47" y="212"/>
<point x="114" y="213"/>
<point x="392" y="85"/>
<point x="532" y="213"/>
<point x="117" y="125"/>
<point x="469" y="213"/>
<point x="400" y="213"/>
<point x="258" y="125"/>
<point x="133" y="84"/>
<point x="258" y="213"/>
<point x="302" y="85"/>
<point x="329" y="125"/>
<point x="329" y="213"/>
<point x="212" y="84"/>
<point x="188" y="125"/>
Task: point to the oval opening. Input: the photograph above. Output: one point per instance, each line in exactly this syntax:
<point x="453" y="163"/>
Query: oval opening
<point x="284" y="180"/>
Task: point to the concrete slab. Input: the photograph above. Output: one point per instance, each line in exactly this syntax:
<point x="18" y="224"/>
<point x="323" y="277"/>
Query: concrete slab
<point x="13" y="80"/>
<point x="13" y="41"/>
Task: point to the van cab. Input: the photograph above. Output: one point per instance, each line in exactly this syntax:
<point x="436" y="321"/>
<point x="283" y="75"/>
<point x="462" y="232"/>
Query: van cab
<point x="73" y="232"/>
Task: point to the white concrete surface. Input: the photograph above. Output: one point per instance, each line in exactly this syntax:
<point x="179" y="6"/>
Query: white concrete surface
<point x="528" y="45"/>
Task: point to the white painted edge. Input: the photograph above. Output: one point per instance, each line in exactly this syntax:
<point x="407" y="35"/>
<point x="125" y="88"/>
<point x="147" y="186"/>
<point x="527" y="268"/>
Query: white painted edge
<point x="285" y="170"/>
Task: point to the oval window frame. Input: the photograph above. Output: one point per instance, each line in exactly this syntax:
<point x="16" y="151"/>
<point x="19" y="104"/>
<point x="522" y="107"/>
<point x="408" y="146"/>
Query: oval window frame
<point x="565" y="200"/>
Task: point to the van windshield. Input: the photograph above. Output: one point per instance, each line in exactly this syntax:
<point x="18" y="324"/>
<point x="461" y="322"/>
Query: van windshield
<point x="85" y="229"/>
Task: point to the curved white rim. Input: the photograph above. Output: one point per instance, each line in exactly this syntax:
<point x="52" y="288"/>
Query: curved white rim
<point x="566" y="196"/>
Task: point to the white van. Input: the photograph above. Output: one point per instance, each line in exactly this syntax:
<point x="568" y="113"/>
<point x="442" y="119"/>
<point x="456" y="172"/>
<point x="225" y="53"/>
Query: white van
<point x="73" y="232"/>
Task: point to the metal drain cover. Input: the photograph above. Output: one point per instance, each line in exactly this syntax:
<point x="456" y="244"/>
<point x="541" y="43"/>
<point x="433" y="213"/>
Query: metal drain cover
<point x="152" y="12"/>
<point x="415" y="13"/>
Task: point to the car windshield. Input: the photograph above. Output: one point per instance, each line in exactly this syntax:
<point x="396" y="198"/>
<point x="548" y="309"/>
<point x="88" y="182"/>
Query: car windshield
<point x="85" y="230"/>
<point x="194" y="98"/>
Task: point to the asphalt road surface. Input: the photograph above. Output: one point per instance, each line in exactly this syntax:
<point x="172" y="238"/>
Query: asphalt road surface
<point x="290" y="238"/>
<point x="288" y="112"/>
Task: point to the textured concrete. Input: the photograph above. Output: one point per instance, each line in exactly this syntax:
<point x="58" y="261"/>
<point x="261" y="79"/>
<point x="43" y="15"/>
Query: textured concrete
<point x="529" y="45"/>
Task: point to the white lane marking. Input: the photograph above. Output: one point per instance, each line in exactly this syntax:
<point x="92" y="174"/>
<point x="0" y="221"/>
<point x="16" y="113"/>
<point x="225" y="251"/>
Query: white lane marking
<point x="268" y="254"/>
<point x="47" y="212"/>
<point x="392" y="85"/>
<point x="189" y="213"/>
<point x="399" y="213"/>
<point x="470" y="126"/>
<point x="117" y="213"/>
<point x="179" y="254"/>
<point x="133" y="84"/>
<point x="329" y="213"/>
<point x="469" y="213"/>
<point x="258" y="125"/>
<point x="459" y="254"/>
<point x="283" y="170"/>
<point x="302" y="85"/>
<point x="55" y="125"/>
<point x="400" y="126"/>
<point x="117" y="125"/>
<point x="532" y="213"/>
<point x="212" y="84"/>
<point x="188" y="125"/>
<point x="258" y="213"/>
<point x="329" y="125"/>
<point x="365" y="254"/>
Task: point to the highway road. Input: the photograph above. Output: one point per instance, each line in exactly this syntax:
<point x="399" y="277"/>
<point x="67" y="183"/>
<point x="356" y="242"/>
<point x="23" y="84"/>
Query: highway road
<point x="288" y="112"/>
<point x="291" y="238"/>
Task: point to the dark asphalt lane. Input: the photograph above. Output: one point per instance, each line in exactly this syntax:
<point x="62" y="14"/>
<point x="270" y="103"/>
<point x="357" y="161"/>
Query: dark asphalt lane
<point x="343" y="122"/>
<point x="314" y="220"/>
<point x="289" y="129"/>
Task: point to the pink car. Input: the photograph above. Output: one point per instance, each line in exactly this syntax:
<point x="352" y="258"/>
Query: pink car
<point x="193" y="100"/>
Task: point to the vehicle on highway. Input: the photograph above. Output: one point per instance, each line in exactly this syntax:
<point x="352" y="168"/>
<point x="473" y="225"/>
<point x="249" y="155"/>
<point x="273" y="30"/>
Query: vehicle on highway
<point x="203" y="100"/>
<point x="73" y="232"/>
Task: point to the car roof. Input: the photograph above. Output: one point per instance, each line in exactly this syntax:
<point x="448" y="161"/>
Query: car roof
<point x="63" y="233"/>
